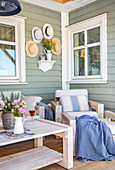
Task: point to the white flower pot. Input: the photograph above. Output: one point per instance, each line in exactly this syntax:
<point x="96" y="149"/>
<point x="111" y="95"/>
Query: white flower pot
<point x="48" y="54"/>
<point x="18" y="127"/>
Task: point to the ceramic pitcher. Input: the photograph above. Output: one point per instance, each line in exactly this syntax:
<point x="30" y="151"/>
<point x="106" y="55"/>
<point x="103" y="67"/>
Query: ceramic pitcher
<point x="48" y="54"/>
<point x="18" y="127"/>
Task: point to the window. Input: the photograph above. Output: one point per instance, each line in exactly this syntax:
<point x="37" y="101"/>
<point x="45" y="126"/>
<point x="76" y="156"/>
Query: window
<point x="12" y="50"/>
<point x="88" y="51"/>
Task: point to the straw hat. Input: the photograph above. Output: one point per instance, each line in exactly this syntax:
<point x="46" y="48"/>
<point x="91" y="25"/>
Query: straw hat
<point x="48" y="31"/>
<point x="37" y="34"/>
<point x="31" y="48"/>
<point x="57" y="49"/>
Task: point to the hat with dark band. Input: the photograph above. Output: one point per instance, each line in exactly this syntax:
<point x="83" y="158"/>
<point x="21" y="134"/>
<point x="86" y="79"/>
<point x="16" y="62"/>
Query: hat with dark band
<point x="48" y="31"/>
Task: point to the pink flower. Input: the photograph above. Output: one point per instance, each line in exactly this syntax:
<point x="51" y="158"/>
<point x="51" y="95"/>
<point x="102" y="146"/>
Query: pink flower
<point x="15" y="102"/>
<point x="1" y="104"/>
<point x="23" y="102"/>
<point x="21" y="110"/>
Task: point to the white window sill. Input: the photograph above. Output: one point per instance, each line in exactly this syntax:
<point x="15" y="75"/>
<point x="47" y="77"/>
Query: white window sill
<point x="12" y="83"/>
<point x="87" y="82"/>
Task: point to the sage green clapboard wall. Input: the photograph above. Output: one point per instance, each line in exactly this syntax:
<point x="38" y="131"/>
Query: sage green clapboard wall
<point x="40" y="83"/>
<point x="104" y="93"/>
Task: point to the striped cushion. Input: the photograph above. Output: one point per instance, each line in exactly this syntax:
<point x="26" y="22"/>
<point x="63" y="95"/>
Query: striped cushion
<point x="74" y="103"/>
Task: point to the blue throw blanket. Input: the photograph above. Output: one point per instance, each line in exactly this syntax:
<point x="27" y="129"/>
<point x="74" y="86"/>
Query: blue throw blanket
<point x="94" y="140"/>
<point x="49" y="113"/>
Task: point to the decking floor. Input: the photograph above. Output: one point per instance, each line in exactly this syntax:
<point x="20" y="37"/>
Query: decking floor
<point x="56" y="144"/>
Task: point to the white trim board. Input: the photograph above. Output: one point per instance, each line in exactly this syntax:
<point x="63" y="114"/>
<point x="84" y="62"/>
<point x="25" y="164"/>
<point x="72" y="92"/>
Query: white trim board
<point x="64" y="22"/>
<point x="57" y="6"/>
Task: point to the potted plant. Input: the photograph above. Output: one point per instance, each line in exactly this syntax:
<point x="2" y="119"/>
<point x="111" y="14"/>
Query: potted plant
<point x="12" y="107"/>
<point x="48" y="46"/>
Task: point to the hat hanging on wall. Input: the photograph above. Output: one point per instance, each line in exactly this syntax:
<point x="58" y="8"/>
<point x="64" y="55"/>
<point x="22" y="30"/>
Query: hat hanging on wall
<point x="37" y="34"/>
<point x="31" y="49"/>
<point x="57" y="49"/>
<point x="9" y="7"/>
<point x="48" y="31"/>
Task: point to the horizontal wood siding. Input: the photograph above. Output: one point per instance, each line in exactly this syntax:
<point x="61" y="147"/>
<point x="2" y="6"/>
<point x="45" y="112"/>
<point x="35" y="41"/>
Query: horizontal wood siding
<point x="40" y="83"/>
<point x="104" y="93"/>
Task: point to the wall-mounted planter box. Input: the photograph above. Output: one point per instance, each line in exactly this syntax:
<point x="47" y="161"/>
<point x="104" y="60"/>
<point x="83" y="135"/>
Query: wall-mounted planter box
<point x="45" y="65"/>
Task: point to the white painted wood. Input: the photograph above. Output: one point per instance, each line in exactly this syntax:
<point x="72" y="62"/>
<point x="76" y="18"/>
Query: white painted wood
<point x="22" y="51"/>
<point x="99" y="107"/>
<point x="97" y="81"/>
<point x="67" y="161"/>
<point x="53" y="123"/>
<point x="67" y="119"/>
<point x="41" y="156"/>
<point x="32" y="159"/>
<point x="73" y="92"/>
<point x="19" y="43"/>
<point x="64" y="22"/>
<point x="39" y="127"/>
<point x="67" y="7"/>
<point x="38" y="142"/>
<point x="58" y="110"/>
<point x="110" y="114"/>
<point x="94" y="22"/>
<point x="45" y="65"/>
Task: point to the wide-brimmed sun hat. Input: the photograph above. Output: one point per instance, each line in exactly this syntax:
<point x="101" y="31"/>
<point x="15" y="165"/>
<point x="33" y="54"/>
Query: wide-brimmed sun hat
<point x="37" y="34"/>
<point x="48" y="31"/>
<point x="31" y="48"/>
<point x="57" y="48"/>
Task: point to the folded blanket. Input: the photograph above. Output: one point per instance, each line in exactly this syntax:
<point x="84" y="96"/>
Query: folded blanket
<point x="94" y="140"/>
<point x="49" y="113"/>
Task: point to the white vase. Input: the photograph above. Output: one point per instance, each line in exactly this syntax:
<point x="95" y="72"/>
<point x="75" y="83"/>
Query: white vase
<point x="48" y="54"/>
<point x="18" y="127"/>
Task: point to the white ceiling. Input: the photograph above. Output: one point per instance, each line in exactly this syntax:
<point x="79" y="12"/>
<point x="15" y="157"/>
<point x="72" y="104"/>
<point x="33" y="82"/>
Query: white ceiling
<point x="57" y="6"/>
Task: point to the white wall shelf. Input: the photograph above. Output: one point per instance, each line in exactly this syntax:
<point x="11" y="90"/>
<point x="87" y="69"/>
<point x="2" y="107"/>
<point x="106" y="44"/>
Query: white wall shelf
<point x="45" y="65"/>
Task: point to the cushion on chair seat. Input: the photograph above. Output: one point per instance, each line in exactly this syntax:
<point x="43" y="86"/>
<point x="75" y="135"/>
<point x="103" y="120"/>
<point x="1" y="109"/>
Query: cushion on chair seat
<point x="78" y="114"/>
<point x="110" y="124"/>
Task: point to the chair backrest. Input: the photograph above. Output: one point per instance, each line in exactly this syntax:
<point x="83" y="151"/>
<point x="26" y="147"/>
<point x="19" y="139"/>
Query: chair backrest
<point x="8" y="93"/>
<point x="75" y="92"/>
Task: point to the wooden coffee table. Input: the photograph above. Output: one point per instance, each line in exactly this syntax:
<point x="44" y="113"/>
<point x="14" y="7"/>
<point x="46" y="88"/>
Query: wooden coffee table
<point x="40" y="155"/>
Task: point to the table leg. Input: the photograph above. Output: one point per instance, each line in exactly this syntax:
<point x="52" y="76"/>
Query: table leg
<point x="67" y="161"/>
<point x="38" y="142"/>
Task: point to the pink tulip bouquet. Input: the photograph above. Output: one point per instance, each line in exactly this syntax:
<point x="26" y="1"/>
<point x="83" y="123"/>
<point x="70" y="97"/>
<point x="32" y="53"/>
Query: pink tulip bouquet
<point x="19" y="108"/>
<point x="13" y="104"/>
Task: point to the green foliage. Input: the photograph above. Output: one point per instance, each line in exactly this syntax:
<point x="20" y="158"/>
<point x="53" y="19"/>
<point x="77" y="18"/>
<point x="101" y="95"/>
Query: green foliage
<point x="8" y="101"/>
<point x="48" y="44"/>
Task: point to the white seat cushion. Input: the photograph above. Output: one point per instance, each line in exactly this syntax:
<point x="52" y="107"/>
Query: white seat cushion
<point x="110" y="124"/>
<point x="78" y="114"/>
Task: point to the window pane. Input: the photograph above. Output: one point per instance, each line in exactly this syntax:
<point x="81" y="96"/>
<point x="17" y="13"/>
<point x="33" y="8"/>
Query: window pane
<point x="79" y="62"/>
<point x="7" y="33"/>
<point x="93" y="35"/>
<point x="78" y="39"/>
<point x="94" y="60"/>
<point x="7" y="60"/>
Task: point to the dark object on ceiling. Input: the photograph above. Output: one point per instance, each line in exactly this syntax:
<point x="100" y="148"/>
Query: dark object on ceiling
<point x="9" y="7"/>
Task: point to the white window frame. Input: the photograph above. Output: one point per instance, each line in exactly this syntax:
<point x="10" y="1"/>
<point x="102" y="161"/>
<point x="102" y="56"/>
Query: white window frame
<point x="19" y="23"/>
<point x="98" y="21"/>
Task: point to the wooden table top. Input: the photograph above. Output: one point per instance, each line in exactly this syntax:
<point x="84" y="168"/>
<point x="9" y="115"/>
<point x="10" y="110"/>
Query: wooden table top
<point x="40" y="127"/>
